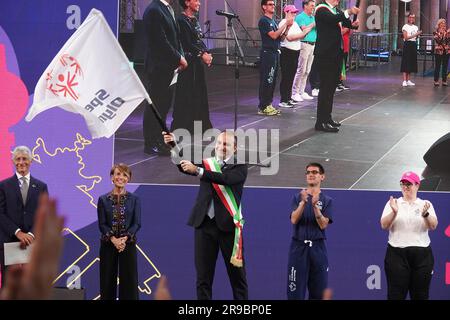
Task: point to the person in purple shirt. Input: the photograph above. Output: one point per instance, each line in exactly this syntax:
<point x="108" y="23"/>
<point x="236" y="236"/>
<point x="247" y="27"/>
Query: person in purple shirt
<point x="308" y="260"/>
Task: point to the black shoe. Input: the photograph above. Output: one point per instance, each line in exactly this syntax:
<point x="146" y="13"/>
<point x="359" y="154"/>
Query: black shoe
<point x="326" y="127"/>
<point x="334" y="123"/>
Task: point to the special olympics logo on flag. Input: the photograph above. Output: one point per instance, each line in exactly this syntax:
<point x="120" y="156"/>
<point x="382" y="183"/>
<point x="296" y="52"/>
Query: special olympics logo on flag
<point x="64" y="80"/>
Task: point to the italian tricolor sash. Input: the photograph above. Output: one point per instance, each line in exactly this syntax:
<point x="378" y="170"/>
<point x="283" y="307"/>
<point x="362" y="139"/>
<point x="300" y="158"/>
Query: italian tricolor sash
<point x="227" y="198"/>
<point x="325" y="5"/>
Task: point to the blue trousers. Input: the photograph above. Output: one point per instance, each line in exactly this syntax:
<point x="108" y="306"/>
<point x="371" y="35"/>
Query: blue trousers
<point x="307" y="268"/>
<point x="267" y="76"/>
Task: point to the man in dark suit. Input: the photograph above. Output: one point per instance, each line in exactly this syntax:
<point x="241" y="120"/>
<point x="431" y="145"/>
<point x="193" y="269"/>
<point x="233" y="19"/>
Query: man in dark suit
<point x="328" y="55"/>
<point x="19" y="197"/>
<point x="164" y="55"/>
<point x="212" y="216"/>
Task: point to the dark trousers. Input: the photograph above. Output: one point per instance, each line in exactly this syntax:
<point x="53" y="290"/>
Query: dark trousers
<point x="267" y="77"/>
<point x="307" y="268"/>
<point x="440" y="63"/>
<point x="3" y="268"/>
<point x="158" y="89"/>
<point x="329" y="72"/>
<point x="126" y="263"/>
<point x="208" y="240"/>
<point x="288" y="65"/>
<point x="408" y="270"/>
<point x="314" y="78"/>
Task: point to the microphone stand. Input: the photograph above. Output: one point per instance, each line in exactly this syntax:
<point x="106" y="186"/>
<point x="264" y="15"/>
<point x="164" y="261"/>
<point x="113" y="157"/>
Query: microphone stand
<point x="238" y="54"/>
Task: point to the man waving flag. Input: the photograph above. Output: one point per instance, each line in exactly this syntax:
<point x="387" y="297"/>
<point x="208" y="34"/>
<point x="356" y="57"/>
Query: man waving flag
<point x="91" y="76"/>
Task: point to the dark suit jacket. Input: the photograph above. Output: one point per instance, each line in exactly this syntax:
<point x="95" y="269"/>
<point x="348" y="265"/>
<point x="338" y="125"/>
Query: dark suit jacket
<point x="13" y="214"/>
<point x="329" y="37"/>
<point x="132" y="215"/>
<point x="234" y="176"/>
<point x="163" y="38"/>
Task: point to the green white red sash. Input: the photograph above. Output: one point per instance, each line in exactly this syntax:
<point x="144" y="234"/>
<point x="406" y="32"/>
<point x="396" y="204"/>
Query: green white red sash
<point x="227" y="198"/>
<point x="325" y="5"/>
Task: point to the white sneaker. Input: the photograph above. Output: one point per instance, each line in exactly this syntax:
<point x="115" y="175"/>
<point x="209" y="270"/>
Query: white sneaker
<point x="297" y="98"/>
<point x="315" y="92"/>
<point x="405" y="84"/>
<point x="410" y="83"/>
<point x="306" y="96"/>
<point x="285" y="105"/>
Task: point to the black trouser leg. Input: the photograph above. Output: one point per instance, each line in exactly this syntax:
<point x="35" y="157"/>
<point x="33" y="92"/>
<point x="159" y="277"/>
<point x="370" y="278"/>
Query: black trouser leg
<point x="237" y="275"/>
<point x="329" y="78"/>
<point x="3" y="268"/>
<point x="268" y="77"/>
<point x="206" y="250"/>
<point x="128" y="273"/>
<point x="444" y="67"/>
<point x="314" y="78"/>
<point x="398" y="273"/>
<point x="109" y="261"/>
<point x="422" y="263"/>
<point x="288" y="64"/>
<point x="438" y="63"/>
<point x="158" y="89"/>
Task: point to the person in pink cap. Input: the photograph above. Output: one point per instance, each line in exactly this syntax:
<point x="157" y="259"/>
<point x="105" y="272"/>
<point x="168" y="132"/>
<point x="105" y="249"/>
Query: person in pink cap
<point x="409" y="259"/>
<point x="290" y="51"/>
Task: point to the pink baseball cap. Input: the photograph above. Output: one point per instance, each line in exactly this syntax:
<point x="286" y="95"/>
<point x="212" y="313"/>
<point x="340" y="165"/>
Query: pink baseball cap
<point x="410" y="177"/>
<point x="291" y="8"/>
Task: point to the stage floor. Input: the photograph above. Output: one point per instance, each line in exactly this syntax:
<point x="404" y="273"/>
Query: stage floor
<point x="386" y="130"/>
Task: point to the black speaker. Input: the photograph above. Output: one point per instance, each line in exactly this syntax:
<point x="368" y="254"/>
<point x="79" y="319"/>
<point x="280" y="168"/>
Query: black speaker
<point x="438" y="156"/>
<point x="63" y="293"/>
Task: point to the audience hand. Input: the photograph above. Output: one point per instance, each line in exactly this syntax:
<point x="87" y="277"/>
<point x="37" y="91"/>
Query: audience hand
<point x="34" y="280"/>
<point x="162" y="289"/>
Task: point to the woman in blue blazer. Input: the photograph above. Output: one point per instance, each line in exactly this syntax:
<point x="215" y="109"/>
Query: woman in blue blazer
<point x="119" y="219"/>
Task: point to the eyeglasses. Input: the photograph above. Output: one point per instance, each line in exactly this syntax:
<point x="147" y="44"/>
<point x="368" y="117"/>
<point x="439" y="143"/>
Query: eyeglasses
<point x="406" y="184"/>
<point x="312" y="172"/>
<point x="270" y="4"/>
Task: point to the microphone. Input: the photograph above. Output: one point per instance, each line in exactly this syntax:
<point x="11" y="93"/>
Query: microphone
<point x="229" y="15"/>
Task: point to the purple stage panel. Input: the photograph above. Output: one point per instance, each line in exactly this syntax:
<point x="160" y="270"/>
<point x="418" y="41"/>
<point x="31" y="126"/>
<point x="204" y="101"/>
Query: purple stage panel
<point x="356" y="244"/>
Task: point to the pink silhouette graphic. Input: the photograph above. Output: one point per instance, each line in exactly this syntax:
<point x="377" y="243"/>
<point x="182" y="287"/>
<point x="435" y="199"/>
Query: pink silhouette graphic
<point x="14" y="100"/>
<point x="65" y="80"/>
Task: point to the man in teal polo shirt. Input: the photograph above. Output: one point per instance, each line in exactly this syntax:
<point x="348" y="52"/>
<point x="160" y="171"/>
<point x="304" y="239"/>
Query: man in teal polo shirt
<point x="305" y="20"/>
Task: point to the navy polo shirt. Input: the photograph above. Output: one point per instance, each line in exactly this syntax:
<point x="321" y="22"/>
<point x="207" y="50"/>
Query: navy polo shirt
<point x="307" y="228"/>
<point x="265" y="26"/>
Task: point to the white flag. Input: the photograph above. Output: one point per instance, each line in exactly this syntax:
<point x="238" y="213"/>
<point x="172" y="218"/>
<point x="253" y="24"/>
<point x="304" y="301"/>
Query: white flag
<point x="91" y="76"/>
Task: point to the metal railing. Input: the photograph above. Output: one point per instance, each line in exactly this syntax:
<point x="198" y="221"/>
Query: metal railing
<point x="373" y="49"/>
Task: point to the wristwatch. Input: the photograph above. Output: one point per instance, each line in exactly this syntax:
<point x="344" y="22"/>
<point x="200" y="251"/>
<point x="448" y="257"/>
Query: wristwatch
<point x="426" y="214"/>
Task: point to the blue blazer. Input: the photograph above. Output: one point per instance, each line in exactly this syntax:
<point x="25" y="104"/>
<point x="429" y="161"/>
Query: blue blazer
<point x="13" y="214"/>
<point x="132" y="215"/>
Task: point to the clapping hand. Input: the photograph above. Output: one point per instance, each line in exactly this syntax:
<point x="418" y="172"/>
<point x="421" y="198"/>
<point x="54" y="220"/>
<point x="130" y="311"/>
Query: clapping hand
<point x="393" y="204"/>
<point x="315" y="199"/>
<point x="425" y="208"/>
<point x="304" y="195"/>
